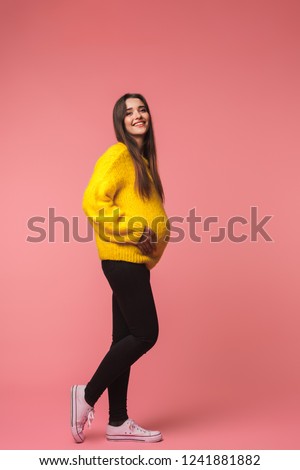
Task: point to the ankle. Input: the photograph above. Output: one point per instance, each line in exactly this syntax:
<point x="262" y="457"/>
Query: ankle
<point x="117" y="423"/>
<point x="88" y="401"/>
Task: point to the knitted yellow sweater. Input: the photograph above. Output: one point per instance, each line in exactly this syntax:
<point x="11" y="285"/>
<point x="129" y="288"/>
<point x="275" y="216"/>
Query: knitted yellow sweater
<point x="117" y="212"/>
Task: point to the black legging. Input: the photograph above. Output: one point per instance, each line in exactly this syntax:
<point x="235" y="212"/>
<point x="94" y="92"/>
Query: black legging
<point x="135" y="331"/>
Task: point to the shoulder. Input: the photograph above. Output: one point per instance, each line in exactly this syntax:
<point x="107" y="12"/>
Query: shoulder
<point x="116" y="149"/>
<point x="114" y="155"/>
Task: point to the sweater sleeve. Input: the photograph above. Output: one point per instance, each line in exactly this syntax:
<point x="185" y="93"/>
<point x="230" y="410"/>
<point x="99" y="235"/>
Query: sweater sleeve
<point x="98" y="203"/>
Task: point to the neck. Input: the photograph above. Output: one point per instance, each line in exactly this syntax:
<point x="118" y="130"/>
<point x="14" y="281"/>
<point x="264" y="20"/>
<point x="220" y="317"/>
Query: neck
<point x="139" y="141"/>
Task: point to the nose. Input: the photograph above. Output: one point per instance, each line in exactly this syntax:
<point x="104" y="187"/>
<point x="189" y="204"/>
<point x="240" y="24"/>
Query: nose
<point x="138" y="113"/>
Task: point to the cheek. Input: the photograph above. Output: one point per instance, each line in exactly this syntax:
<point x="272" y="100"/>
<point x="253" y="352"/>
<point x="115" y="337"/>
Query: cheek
<point x="127" y="124"/>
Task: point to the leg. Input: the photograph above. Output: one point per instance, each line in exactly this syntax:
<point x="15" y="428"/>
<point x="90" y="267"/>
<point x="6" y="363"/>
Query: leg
<point x="130" y="283"/>
<point x="117" y="391"/>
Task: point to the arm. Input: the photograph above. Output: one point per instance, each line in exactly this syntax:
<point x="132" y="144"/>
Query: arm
<point x="98" y="203"/>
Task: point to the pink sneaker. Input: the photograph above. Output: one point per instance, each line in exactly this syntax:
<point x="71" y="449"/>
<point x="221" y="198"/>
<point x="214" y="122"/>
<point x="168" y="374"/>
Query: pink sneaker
<point x="81" y="412"/>
<point x="132" y="432"/>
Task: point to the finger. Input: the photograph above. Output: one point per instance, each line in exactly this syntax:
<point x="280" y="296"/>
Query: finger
<point x="147" y="248"/>
<point x="142" y="248"/>
<point x="150" y="249"/>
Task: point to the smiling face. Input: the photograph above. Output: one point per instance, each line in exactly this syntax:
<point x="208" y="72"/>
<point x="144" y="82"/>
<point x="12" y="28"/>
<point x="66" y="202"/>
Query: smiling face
<point x="137" y="119"/>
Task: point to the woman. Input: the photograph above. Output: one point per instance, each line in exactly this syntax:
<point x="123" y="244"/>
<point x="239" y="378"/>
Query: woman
<point x="124" y="203"/>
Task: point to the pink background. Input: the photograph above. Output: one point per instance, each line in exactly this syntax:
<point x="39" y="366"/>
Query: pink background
<point x="222" y="81"/>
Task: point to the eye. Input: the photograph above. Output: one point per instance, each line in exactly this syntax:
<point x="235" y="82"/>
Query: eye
<point x="143" y="110"/>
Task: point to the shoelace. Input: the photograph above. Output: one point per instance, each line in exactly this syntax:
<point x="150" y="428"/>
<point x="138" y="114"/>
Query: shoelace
<point x="87" y="418"/>
<point x="90" y="417"/>
<point x="133" y="426"/>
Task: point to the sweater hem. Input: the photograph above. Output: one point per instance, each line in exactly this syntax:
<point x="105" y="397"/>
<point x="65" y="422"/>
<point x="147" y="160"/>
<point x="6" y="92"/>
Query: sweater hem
<point x="114" y="251"/>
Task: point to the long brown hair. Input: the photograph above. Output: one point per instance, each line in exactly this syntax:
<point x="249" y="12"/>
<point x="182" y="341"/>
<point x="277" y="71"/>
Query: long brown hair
<point x="142" y="181"/>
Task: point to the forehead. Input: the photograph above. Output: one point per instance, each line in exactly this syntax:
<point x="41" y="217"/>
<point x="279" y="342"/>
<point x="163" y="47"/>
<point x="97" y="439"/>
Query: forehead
<point x="134" y="103"/>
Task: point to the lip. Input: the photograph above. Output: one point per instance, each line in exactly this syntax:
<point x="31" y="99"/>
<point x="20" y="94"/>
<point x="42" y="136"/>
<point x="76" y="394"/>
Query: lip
<point x="139" y="123"/>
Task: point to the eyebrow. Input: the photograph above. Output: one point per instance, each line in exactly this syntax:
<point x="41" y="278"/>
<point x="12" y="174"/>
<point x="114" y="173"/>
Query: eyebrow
<point x="141" y="106"/>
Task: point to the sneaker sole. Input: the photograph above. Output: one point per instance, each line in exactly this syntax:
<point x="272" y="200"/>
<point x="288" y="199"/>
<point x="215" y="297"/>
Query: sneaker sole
<point x="155" y="438"/>
<point x="75" y="433"/>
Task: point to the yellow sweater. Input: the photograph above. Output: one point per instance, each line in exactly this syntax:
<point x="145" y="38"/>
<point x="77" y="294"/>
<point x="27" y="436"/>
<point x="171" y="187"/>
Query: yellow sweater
<point x="111" y="202"/>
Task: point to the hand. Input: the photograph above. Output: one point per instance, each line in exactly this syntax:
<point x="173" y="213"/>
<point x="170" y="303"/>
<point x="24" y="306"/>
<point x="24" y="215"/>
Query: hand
<point x="147" y="241"/>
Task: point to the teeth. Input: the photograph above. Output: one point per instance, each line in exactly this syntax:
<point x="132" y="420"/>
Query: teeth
<point x="139" y="124"/>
